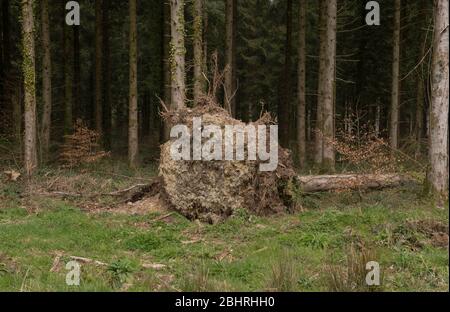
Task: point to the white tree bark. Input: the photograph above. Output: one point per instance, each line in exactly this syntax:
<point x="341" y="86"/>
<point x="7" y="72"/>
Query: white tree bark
<point x="438" y="173"/>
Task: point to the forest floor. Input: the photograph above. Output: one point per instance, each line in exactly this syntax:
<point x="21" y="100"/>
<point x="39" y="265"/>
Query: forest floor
<point x="143" y="247"/>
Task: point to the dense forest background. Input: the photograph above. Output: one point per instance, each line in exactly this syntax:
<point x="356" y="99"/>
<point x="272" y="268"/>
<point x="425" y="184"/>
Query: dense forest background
<point x="258" y="39"/>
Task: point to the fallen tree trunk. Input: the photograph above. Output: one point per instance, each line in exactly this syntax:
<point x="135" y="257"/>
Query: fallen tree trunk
<point x="324" y="183"/>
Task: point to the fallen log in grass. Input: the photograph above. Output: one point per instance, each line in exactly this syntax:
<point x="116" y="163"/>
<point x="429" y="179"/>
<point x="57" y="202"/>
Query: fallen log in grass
<point x="325" y="183"/>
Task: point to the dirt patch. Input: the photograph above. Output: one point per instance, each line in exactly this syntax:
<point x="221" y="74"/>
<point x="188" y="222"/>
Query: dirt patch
<point x="418" y="233"/>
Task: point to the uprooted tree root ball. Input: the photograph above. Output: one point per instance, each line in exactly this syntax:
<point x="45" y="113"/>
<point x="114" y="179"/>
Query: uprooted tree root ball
<point x="213" y="190"/>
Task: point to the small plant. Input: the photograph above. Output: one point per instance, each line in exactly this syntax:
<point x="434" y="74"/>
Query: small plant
<point x="199" y="280"/>
<point x="81" y="147"/>
<point x="119" y="271"/>
<point x="352" y="275"/>
<point x="284" y="276"/>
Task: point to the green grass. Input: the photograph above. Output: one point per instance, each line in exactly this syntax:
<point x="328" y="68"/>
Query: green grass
<point x="291" y="252"/>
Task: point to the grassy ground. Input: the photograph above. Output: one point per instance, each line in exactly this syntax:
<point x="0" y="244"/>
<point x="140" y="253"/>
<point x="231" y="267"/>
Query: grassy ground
<point x="323" y="248"/>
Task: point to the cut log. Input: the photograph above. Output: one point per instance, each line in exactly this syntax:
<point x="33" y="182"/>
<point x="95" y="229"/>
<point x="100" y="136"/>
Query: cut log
<point x="324" y="183"/>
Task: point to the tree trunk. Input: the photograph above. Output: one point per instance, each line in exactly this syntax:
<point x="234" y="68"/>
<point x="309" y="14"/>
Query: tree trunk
<point x="68" y="78"/>
<point x="199" y="81"/>
<point x="166" y="67"/>
<point x="395" y="94"/>
<point x="329" y="87"/>
<point x="324" y="183"/>
<point x="6" y="35"/>
<point x="98" y="66"/>
<point x="230" y="55"/>
<point x="46" y="82"/>
<point x="438" y="172"/>
<point x="77" y="111"/>
<point x="301" y="109"/>
<point x="285" y="97"/>
<point x="178" y="94"/>
<point x="106" y="77"/>
<point x="133" y="103"/>
<point x="318" y="138"/>
<point x="29" y="75"/>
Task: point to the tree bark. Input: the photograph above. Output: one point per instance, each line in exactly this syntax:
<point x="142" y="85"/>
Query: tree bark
<point x="166" y="66"/>
<point x="395" y="94"/>
<point x="301" y="109"/>
<point x="178" y="51"/>
<point x="324" y="183"/>
<point x="329" y="88"/>
<point x="29" y="75"/>
<point x="438" y="153"/>
<point x="106" y="77"/>
<point x="318" y="137"/>
<point x="199" y="81"/>
<point x="77" y="111"/>
<point x="68" y="78"/>
<point x="285" y="97"/>
<point x="98" y="66"/>
<point x="133" y="141"/>
<point x="46" y="82"/>
<point x="230" y="56"/>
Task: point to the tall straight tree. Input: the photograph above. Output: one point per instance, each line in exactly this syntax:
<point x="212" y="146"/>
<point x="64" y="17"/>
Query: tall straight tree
<point x="106" y="76"/>
<point x="46" y="81"/>
<point x="178" y="73"/>
<point x="328" y="92"/>
<point x="395" y="93"/>
<point x="199" y="81"/>
<point x="318" y="137"/>
<point x="68" y="77"/>
<point x="438" y="153"/>
<point x="230" y="55"/>
<point x="29" y="76"/>
<point x="301" y="104"/>
<point x="285" y="96"/>
<point x="133" y="142"/>
<point x="99" y="66"/>
<point x="76" y="73"/>
<point x="166" y="65"/>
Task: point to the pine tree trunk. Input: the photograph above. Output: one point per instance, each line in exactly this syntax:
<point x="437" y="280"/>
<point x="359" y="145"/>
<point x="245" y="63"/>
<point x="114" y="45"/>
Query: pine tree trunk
<point x="328" y="92"/>
<point x="106" y="77"/>
<point x="395" y="94"/>
<point x="318" y="137"/>
<point x="438" y="173"/>
<point x="230" y="55"/>
<point x="199" y="84"/>
<point x="68" y="78"/>
<point x="166" y="66"/>
<point x="301" y="110"/>
<point x="133" y="103"/>
<point x="178" y="94"/>
<point x="205" y="39"/>
<point x="46" y="82"/>
<point x="98" y="66"/>
<point x="77" y="111"/>
<point x="29" y="75"/>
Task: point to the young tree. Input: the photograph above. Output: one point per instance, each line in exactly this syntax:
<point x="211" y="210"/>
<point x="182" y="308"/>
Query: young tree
<point x="98" y="66"/>
<point x="177" y="54"/>
<point x="29" y="76"/>
<point x="328" y="92"/>
<point x="46" y="81"/>
<point x="438" y="153"/>
<point x="199" y="81"/>
<point x="230" y="55"/>
<point x="395" y="93"/>
<point x="301" y="104"/>
<point x="133" y="105"/>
